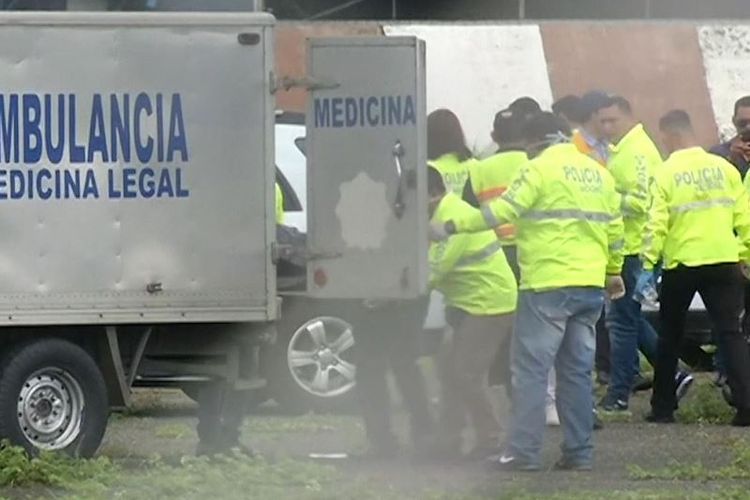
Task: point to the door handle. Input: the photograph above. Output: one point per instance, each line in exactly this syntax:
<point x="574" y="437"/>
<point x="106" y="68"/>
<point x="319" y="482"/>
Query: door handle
<point x="399" y="205"/>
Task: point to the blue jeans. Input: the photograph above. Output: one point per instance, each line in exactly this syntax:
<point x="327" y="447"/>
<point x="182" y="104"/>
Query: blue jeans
<point x="554" y="328"/>
<point x="628" y="331"/>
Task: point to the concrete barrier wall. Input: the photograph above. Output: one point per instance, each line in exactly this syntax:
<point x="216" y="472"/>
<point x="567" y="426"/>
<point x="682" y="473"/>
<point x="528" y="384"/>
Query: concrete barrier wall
<point x="477" y="69"/>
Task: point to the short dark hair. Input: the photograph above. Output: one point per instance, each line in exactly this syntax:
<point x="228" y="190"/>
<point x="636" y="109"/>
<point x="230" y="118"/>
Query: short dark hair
<point x="677" y="120"/>
<point x="526" y="106"/>
<point x="445" y="136"/>
<point x="622" y="104"/>
<point x="435" y="183"/>
<point x="569" y="106"/>
<point x="593" y="101"/>
<point x="508" y="125"/>
<point x="543" y="125"/>
<point x="742" y="102"/>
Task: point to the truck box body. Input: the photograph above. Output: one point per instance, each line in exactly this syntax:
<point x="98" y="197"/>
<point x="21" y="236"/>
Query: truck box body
<point x="136" y="168"/>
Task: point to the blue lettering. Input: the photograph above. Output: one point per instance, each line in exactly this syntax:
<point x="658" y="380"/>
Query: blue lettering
<point x="97" y="139"/>
<point x="337" y="104"/>
<point x="3" y="185"/>
<point x="17" y="184"/>
<point x="77" y="153"/>
<point x="120" y="127"/>
<point x="90" y="188"/>
<point x="181" y="193"/>
<point x="54" y="151"/>
<point x="351" y="112"/>
<point x="144" y="151"/>
<point x="129" y="183"/>
<point x="159" y="129"/>
<point x="45" y="192"/>
<point x="322" y="113"/>
<point x="72" y="184"/>
<point x="410" y="114"/>
<point x="112" y="191"/>
<point x="32" y="132"/>
<point x="146" y="183"/>
<point x="9" y="128"/>
<point x="177" y="137"/>
<point x="394" y="110"/>
<point x="165" y="185"/>
<point x="372" y="118"/>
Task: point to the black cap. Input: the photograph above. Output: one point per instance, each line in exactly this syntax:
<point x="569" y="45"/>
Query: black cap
<point x="593" y="101"/>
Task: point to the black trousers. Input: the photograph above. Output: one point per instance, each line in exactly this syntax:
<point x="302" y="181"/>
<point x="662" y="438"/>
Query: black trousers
<point x="721" y="288"/>
<point x="387" y="338"/>
<point x="221" y="411"/>
<point x="601" y="360"/>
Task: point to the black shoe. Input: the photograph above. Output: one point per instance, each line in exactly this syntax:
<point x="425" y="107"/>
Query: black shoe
<point x="509" y="463"/>
<point x="617" y="405"/>
<point x="602" y="377"/>
<point x="642" y="383"/>
<point x="660" y="419"/>
<point x="741" y="419"/>
<point x="683" y="382"/>
<point x="565" y="464"/>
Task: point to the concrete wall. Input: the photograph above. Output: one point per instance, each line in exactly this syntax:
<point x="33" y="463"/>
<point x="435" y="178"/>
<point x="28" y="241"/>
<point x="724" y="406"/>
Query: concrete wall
<point x="476" y="69"/>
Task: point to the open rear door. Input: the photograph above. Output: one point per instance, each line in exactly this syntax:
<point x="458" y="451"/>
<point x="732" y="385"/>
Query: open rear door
<point x="366" y="157"/>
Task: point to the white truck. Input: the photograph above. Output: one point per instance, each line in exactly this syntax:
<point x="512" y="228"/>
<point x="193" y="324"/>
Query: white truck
<point x="137" y="203"/>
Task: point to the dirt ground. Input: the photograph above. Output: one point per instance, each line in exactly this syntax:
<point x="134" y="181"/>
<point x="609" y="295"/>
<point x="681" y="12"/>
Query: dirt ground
<point x="686" y="461"/>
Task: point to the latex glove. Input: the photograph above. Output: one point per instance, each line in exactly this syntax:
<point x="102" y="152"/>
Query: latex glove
<point x="615" y="287"/>
<point x="745" y="268"/>
<point x="645" y="287"/>
<point x="438" y="231"/>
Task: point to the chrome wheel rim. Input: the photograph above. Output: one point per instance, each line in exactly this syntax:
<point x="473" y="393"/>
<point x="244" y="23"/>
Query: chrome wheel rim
<point x="50" y="409"/>
<point x="318" y="357"/>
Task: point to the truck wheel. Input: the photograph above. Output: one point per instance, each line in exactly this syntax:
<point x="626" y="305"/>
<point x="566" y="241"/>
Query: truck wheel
<point x="52" y="397"/>
<point x="311" y="365"/>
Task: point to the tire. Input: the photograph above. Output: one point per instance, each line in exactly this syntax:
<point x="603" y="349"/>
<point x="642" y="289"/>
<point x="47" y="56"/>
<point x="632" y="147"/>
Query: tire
<point x="293" y="394"/>
<point x="66" y="383"/>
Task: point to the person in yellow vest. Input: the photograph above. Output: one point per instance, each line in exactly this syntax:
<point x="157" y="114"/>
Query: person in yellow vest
<point x="279" y="204"/>
<point x="446" y="149"/>
<point x="570" y="249"/>
<point x="699" y="228"/>
<point x="489" y="179"/>
<point x="633" y="164"/>
<point x="480" y="292"/>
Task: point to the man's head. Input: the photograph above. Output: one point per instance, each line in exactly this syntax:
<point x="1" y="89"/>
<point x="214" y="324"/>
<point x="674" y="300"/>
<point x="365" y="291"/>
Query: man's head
<point x="569" y="109"/>
<point x="616" y="119"/>
<point x="544" y="130"/>
<point x="525" y="107"/>
<point x="435" y="188"/>
<point x="741" y="117"/>
<point x="591" y="103"/>
<point x="507" y="129"/>
<point x="677" y="131"/>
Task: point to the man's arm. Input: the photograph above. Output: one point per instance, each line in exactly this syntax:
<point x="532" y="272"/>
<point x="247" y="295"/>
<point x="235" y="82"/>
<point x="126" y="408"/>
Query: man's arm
<point x="520" y="196"/>
<point x="615" y="236"/>
<point x="443" y="257"/>
<point x="742" y="218"/>
<point x="658" y="223"/>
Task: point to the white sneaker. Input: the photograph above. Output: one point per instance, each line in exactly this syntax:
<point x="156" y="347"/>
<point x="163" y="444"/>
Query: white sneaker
<point x="552" y="419"/>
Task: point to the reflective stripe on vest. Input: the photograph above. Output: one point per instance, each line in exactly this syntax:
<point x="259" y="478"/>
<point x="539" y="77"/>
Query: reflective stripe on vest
<point x="703" y="204"/>
<point x="484" y="253"/>
<point x="574" y="214"/>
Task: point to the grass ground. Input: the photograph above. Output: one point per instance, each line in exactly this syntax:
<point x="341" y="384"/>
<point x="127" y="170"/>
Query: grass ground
<point x="148" y="454"/>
